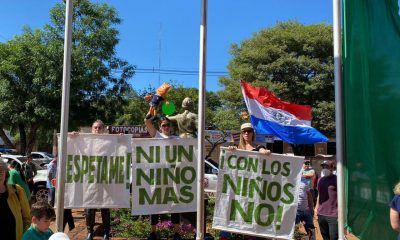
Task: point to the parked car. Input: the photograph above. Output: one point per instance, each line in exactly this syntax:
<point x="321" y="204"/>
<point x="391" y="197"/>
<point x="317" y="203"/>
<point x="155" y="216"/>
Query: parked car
<point x="40" y="191"/>
<point x="7" y="151"/>
<point x="210" y="176"/>
<point x="43" y="157"/>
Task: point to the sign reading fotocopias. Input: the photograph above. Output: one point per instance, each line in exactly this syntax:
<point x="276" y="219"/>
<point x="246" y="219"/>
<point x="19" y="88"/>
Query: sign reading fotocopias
<point x="164" y="176"/>
<point x="98" y="171"/>
<point x="257" y="194"/>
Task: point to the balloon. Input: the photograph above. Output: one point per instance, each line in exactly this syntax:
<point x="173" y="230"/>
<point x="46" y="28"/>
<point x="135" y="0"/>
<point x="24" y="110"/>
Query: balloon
<point x="168" y="108"/>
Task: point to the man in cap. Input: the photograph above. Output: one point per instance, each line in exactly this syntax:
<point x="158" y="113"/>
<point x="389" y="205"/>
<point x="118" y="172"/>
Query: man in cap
<point x="327" y="210"/>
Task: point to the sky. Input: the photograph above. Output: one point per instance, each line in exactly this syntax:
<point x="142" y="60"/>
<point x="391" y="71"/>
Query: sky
<point x="165" y="34"/>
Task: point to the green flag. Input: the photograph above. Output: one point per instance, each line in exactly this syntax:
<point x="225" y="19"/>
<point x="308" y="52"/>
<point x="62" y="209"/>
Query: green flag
<point x="371" y="82"/>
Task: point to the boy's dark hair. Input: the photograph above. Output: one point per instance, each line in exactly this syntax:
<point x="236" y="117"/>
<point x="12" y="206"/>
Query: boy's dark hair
<point x="42" y="209"/>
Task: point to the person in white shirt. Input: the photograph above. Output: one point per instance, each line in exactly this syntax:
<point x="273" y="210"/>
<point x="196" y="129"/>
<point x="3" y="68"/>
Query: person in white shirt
<point x="165" y="132"/>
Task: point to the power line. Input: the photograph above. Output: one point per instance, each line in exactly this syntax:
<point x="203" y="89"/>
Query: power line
<point x="176" y="72"/>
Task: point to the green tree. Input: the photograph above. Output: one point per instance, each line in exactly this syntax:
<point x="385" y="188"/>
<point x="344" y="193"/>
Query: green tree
<point x="31" y="73"/>
<point x="292" y="60"/>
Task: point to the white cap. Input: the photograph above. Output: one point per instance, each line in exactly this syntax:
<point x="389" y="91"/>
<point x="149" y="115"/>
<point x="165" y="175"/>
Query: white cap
<point x="59" y="236"/>
<point x="245" y="126"/>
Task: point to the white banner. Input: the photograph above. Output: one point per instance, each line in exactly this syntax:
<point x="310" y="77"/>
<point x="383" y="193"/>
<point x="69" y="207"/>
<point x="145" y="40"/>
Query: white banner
<point x="164" y="175"/>
<point x="257" y="194"/>
<point x="98" y="171"/>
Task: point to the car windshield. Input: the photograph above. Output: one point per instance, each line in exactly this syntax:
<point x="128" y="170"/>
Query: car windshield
<point x="22" y="159"/>
<point x="49" y="155"/>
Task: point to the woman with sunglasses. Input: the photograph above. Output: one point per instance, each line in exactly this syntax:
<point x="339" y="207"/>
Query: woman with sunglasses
<point x="165" y="132"/>
<point x="247" y="137"/>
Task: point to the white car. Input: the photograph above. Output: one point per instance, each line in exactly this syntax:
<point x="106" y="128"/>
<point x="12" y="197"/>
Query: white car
<point x="210" y="177"/>
<point x="40" y="191"/>
<point x="42" y="157"/>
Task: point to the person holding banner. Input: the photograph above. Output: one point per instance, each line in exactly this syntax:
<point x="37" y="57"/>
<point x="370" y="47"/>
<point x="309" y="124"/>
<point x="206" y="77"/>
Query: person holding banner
<point x="246" y="142"/>
<point x="165" y="132"/>
<point x="98" y="128"/>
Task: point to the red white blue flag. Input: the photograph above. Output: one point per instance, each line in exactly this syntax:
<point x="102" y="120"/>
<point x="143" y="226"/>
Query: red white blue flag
<point x="270" y="115"/>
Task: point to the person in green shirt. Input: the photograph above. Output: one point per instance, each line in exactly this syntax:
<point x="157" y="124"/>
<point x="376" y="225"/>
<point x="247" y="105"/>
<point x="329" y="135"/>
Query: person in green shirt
<point x="16" y="178"/>
<point x="42" y="215"/>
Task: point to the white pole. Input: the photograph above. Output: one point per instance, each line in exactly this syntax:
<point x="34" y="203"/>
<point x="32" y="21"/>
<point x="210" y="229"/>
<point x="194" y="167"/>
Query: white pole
<point x="337" y="54"/>
<point x="62" y="151"/>
<point x="201" y="125"/>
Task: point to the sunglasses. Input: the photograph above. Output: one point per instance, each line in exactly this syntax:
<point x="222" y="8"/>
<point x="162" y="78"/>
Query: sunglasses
<point x="247" y="131"/>
<point x="165" y="125"/>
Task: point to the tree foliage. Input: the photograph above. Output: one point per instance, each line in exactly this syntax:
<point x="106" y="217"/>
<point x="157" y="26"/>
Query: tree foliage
<point x="31" y="68"/>
<point x="293" y="61"/>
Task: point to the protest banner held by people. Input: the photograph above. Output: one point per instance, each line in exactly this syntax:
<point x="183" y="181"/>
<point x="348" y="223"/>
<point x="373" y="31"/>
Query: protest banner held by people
<point x="98" y="128"/>
<point x="165" y="132"/>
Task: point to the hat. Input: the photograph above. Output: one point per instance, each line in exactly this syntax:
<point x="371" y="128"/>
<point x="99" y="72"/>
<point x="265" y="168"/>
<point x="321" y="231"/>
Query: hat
<point x="325" y="163"/>
<point x="246" y="125"/>
<point x="59" y="236"/>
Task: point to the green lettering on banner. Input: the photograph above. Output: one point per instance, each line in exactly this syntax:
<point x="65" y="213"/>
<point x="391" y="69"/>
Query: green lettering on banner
<point x="228" y="181"/>
<point x="230" y="165"/>
<point x="182" y="152"/>
<point x="171" y="173"/>
<point x="287" y="189"/>
<point x="170" y="195"/>
<point x="222" y="159"/>
<point x="91" y="168"/>
<point x="168" y="157"/>
<point x="254" y="187"/>
<point x="140" y="174"/>
<point x="99" y="160"/>
<point x="69" y="168"/>
<point x="121" y="169"/>
<point x="113" y="170"/>
<point x="78" y="174"/>
<point x="286" y="167"/>
<point x="140" y="152"/>
<point x="104" y="172"/>
<point x="277" y="191"/>
<point x="192" y="175"/>
<point x="128" y="165"/>
<point x="85" y="166"/>
<point x="186" y="192"/>
<point x="247" y="216"/>
<point x="144" y="198"/>
<point x="275" y="167"/>
<point x="258" y="216"/>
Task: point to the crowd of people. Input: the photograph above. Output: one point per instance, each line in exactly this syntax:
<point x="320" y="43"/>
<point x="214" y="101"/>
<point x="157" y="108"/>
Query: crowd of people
<point x="22" y="218"/>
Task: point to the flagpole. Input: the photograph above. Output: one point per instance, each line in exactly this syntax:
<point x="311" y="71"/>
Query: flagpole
<point x="62" y="151"/>
<point x="337" y="50"/>
<point x="201" y="124"/>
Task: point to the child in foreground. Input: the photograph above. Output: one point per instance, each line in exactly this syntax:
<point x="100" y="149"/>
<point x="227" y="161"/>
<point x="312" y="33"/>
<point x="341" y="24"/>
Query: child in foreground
<point x="42" y="215"/>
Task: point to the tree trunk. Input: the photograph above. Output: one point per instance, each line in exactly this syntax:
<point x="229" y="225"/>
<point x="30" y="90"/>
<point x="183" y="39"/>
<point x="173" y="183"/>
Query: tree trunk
<point x="22" y="135"/>
<point x="31" y="138"/>
<point x="6" y="140"/>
